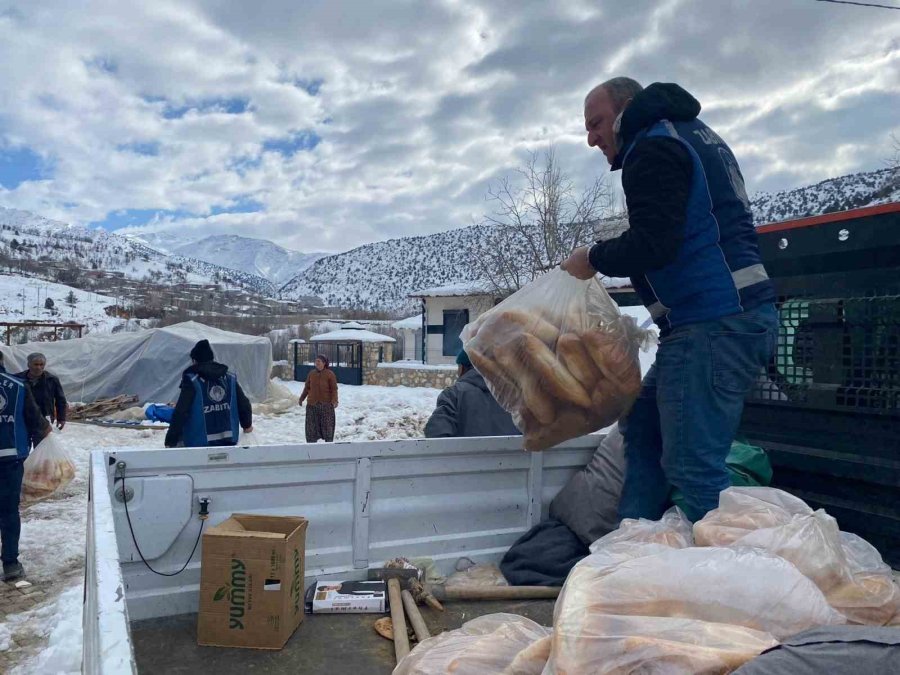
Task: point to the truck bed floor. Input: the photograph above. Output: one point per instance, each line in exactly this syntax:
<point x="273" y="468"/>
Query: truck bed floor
<point x="330" y="644"/>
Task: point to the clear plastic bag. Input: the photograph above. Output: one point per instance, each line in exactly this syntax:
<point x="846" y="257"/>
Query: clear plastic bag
<point x="47" y="469"/>
<point x="870" y="596"/>
<point x="745" y="509"/>
<point x="559" y="356"/>
<point x="495" y="644"/>
<point x="248" y="439"/>
<point x="673" y="530"/>
<point x="741" y="586"/>
<point x="606" y="644"/>
<point x="848" y="570"/>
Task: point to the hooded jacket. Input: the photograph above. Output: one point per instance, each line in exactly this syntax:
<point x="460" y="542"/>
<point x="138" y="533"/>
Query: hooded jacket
<point x="188" y="410"/>
<point x="691" y="249"/>
<point x="468" y="409"/>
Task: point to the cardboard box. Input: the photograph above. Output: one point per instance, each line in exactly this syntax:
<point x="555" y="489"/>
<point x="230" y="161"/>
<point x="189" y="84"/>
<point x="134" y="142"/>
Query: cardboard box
<point x="349" y="597"/>
<point x="251" y="581"/>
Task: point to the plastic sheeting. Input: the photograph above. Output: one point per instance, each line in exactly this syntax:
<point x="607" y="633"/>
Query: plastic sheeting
<point x="146" y="363"/>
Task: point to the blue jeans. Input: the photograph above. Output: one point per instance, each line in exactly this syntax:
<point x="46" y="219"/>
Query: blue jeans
<point x="682" y="425"/>
<point x="11" y="473"/>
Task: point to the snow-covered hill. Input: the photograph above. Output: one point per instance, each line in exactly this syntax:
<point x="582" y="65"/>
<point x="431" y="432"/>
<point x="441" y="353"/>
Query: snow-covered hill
<point x="258" y="257"/>
<point x="835" y="194"/>
<point x="381" y="275"/>
<point x="27" y="236"/>
<point x="26" y="299"/>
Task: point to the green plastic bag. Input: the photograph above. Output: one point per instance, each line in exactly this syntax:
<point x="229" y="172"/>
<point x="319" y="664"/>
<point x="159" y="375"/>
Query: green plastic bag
<point x="748" y="465"/>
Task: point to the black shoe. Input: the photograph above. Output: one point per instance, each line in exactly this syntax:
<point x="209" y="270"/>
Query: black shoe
<point x="13" y="571"/>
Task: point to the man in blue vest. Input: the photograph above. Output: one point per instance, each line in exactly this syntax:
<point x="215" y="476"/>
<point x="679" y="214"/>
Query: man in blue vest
<point x="20" y="422"/>
<point x="691" y="252"/>
<point x="211" y="408"/>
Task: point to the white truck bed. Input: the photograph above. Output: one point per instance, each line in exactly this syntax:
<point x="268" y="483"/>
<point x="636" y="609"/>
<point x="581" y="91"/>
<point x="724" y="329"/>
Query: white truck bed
<point x="366" y="502"/>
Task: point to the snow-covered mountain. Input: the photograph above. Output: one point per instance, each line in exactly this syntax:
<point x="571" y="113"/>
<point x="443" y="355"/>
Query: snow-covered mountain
<point x="835" y="194"/>
<point x="259" y="257"/>
<point x="27" y="236"/>
<point x="381" y="275"/>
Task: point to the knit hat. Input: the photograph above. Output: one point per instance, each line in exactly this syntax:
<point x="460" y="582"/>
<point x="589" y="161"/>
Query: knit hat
<point x="462" y="359"/>
<point x="202" y="352"/>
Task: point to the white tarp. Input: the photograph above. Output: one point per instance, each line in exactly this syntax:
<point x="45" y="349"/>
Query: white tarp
<point x="146" y="363"/>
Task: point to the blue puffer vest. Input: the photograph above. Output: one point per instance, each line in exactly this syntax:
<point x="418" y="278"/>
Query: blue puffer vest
<point x="718" y="271"/>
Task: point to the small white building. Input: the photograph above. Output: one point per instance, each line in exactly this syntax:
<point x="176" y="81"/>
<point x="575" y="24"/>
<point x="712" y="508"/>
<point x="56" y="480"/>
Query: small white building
<point x="447" y="309"/>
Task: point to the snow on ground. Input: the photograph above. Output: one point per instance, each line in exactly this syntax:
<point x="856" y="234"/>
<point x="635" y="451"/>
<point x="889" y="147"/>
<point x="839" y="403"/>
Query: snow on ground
<point x="53" y="531"/>
<point x="23" y="298"/>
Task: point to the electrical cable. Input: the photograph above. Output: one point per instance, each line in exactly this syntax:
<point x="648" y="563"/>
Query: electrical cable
<point x="203" y="517"/>
<point x="860" y="4"/>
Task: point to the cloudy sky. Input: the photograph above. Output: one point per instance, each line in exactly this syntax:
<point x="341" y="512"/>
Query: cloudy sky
<point x="323" y="125"/>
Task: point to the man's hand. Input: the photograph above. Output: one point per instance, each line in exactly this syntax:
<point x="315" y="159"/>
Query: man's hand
<point x="300" y="402"/>
<point x="579" y="264"/>
<point x="334" y="405"/>
<point x="248" y="429"/>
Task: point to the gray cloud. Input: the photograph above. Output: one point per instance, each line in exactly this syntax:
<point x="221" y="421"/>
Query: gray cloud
<point x="180" y="106"/>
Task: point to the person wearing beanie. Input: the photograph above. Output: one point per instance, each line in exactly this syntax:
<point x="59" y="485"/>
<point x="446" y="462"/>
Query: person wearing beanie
<point x="321" y="390"/>
<point x="212" y="408"/>
<point x="468" y="408"/>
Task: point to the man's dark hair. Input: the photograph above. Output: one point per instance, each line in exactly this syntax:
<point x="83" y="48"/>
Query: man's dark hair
<point x="619" y="89"/>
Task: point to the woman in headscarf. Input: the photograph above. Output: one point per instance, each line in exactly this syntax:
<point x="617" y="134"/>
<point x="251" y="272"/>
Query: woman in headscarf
<point x="321" y="390"/>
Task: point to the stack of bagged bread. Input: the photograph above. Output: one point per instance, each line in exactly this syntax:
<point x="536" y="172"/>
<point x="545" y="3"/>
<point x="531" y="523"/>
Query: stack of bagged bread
<point x="561" y="372"/>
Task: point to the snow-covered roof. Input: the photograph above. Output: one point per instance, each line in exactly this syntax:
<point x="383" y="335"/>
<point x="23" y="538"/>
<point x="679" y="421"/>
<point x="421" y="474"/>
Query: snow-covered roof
<point x="351" y="335"/>
<point x="298" y="341"/>
<point x="352" y="325"/>
<point x="459" y="289"/>
<point x="412" y="323"/>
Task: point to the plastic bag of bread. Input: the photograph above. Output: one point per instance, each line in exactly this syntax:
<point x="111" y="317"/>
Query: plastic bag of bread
<point x="493" y="644"/>
<point x="620" y="645"/>
<point x="745" y="509"/>
<point x="559" y="356"/>
<point x="741" y="586"/>
<point x="673" y="530"/>
<point x="870" y="595"/>
<point x="47" y="469"/>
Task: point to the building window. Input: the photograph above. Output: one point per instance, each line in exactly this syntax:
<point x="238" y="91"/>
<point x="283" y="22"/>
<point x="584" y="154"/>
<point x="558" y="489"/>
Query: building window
<point x="454" y="321"/>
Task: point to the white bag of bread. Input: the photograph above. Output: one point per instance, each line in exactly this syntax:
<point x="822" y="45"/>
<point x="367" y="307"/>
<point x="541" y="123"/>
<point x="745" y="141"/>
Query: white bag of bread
<point x="559" y="356"/>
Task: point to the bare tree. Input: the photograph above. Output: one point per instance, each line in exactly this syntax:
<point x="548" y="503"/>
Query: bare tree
<point x="538" y="220"/>
<point x="893" y="161"/>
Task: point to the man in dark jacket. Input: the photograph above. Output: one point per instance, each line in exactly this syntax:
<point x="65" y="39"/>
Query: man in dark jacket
<point x="46" y="389"/>
<point x="468" y="408"/>
<point x="211" y="407"/>
<point x="691" y="252"/>
<point x="20" y="423"/>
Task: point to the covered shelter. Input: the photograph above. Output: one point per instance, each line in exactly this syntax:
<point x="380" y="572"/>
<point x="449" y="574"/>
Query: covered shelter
<point x="146" y="363"/>
<point x="350" y="350"/>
